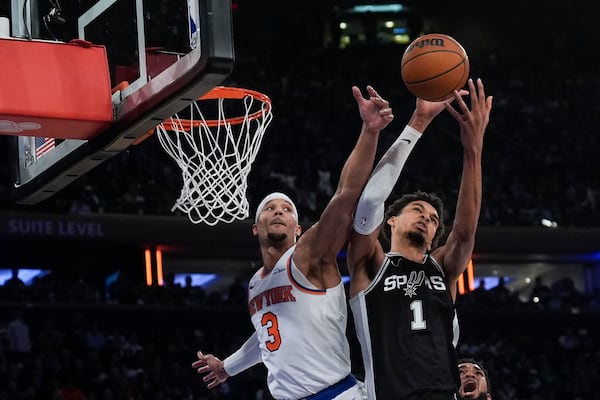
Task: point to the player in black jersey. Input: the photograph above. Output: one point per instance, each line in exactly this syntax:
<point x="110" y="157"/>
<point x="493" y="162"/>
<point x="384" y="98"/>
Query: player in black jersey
<point x="474" y="380"/>
<point x="403" y="301"/>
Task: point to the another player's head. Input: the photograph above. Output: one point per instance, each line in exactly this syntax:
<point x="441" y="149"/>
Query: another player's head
<point x="474" y="380"/>
<point x="277" y="217"/>
<point x="406" y="213"/>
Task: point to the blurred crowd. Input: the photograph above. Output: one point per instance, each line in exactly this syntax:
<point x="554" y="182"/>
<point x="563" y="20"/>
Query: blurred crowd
<point x="560" y="295"/>
<point x="56" y="288"/>
<point x="563" y="364"/>
<point x="71" y="338"/>
<point x="539" y="161"/>
<point x="79" y="358"/>
<point x="62" y="340"/>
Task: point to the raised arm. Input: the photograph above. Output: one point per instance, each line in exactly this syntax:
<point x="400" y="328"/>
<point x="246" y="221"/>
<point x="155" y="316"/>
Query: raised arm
<point x="365" y="252"/>
<point x="456" y="252"/>
<point x="317" y="249"/>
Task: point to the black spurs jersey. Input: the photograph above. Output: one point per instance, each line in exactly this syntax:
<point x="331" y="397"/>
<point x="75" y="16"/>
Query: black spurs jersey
<point x="407" y="327"/>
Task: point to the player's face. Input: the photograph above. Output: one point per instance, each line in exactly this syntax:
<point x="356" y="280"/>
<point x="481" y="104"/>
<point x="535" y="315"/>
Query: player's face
<point x="473" y="385"/>
<point x="418" y="221"/>
<point x="277" y="221"/>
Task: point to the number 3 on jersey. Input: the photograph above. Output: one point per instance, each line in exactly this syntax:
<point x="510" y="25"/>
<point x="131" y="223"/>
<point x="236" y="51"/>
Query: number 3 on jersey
<point x="269" y="320"/>
<point x="417" y="323"/>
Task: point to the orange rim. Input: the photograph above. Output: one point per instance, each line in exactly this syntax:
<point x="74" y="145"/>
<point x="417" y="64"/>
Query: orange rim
<point x="223" y="92"/>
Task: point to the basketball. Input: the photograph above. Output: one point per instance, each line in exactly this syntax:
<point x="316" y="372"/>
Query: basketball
<point x="433" y="66"/>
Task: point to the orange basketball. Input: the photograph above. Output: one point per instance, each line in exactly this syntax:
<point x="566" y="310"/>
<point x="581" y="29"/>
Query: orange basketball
<point x="433" y="66"/>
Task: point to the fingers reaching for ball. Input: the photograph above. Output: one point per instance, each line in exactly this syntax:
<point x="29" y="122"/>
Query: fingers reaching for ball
<point x="374" y="111"/>
<point x="473" y="121"/>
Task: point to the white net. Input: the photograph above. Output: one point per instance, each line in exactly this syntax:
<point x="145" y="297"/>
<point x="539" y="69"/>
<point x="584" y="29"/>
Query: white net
<point x="216" y="155"/>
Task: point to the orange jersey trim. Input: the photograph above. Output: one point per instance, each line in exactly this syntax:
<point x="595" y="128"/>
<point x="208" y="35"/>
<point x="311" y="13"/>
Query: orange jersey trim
<point x="298" y="285"/>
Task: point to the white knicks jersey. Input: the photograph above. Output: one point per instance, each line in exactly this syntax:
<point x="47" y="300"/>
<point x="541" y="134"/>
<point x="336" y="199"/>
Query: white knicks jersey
<point x="301" y="330"/>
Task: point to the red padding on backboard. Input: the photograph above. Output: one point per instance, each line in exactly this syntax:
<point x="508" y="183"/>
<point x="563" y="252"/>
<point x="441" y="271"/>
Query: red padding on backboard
<point x="62" y="87"/>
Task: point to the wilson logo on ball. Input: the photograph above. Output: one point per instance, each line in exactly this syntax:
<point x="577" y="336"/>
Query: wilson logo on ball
<point x="434" y="66"/>
<point x="426" y="42"/>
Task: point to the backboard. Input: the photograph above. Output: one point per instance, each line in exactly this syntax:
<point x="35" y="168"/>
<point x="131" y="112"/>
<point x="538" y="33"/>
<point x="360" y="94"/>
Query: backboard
<point x="162" y="55"/>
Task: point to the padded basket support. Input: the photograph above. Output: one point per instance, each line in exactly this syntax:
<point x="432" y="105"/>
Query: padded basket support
<point x="54" y="89"/>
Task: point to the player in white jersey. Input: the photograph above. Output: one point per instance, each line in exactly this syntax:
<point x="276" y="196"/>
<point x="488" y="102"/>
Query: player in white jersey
<point x="297" y="300"/>
<point x="286" y="310"/>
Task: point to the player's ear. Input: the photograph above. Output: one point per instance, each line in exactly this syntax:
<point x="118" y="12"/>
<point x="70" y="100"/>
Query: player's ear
<point x="298" y="231"/>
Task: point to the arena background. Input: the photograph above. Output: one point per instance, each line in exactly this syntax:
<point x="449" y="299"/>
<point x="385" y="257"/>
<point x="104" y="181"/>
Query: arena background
<point x="99" y="331"/>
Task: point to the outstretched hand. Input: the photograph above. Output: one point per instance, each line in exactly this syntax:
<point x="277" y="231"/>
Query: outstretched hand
<point x="430" y="109"/>
<point x="374" y="111"/>
<point x="212" y="367"/>
<point x="474" y="121"/>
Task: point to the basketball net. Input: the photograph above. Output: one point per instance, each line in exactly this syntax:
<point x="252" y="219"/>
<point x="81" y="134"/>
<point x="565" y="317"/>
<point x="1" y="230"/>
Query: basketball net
<point x="215" y="153"/>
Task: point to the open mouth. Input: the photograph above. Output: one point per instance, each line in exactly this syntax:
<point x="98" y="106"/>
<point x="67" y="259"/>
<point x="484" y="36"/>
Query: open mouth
<point x="469" y="387"/>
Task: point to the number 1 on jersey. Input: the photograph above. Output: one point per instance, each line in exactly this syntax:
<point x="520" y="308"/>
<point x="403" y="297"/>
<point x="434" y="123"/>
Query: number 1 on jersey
<point x="417" y="323"/>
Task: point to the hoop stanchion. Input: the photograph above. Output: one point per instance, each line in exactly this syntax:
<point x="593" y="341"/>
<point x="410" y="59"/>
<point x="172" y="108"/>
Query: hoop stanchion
<point x="215" y="152"/>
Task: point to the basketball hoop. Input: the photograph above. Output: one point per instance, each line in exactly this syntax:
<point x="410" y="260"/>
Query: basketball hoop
<point x="215" y="146"/>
